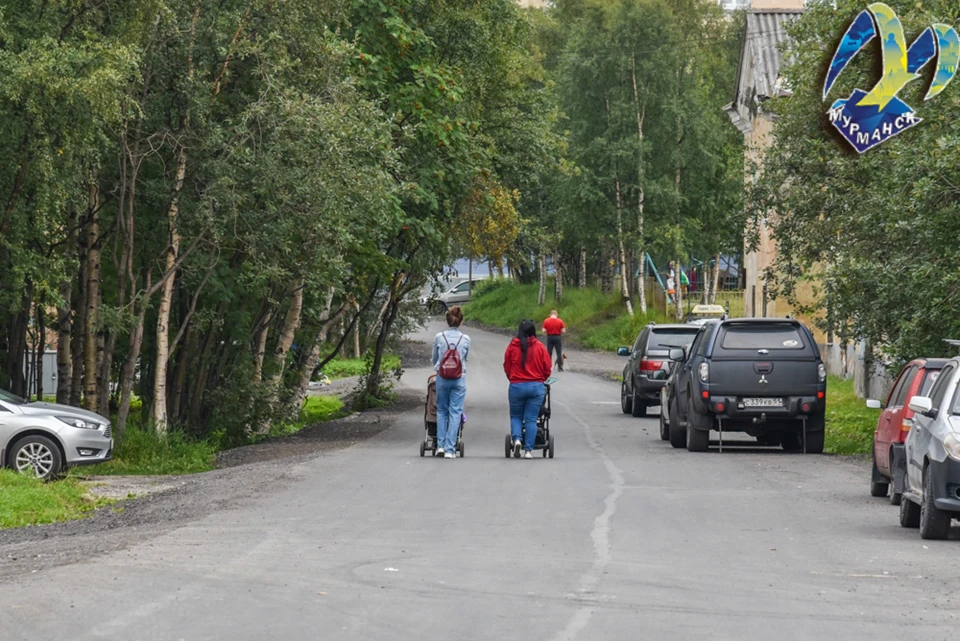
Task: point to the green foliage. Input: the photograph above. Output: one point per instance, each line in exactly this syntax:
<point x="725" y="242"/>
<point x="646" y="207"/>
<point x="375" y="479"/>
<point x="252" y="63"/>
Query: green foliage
<point x="850" y="425"/>
<point x="25" y="500"/>
<point x="144" y="452"/>
<point x="347" y="367"/>
<point x="876" y="229"/>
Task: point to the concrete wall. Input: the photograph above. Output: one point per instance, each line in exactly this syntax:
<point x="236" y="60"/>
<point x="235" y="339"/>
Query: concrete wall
<point x="848" y="361"/>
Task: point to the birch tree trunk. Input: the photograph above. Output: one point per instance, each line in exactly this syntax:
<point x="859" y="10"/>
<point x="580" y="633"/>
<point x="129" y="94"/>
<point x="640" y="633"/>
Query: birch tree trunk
<point x="715" y="280"/>
<point x="306" y="370"/>
<point x="130" y="367"/>
<point x="558" y="281"/>
<point x="542" y="268"/>
<point x="624" y="268"/>
<point x="582" y="277"/>
<point x="159" y="406"/>
<point x="92" y="302"/>
<point x="260" y="349"/>
<point x="641" y="194"/>
<point x="64" y="319"/>
<point x="356" y="333"/>
<point x="288" y="331"/>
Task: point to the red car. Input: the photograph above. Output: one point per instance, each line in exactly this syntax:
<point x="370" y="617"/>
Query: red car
<point x="916" y="379"/>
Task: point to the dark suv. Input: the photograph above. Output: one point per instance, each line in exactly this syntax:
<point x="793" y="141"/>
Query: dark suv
<point x="649" y="364"/>
<point x="762" y="376"/>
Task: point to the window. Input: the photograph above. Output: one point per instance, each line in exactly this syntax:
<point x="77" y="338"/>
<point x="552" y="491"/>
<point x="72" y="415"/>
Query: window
<point x="10" y="398"/>
<point x="929" y="378"/>
<point x="900" y="388"/>
<point x="764" y="336"/>
<point x="939" y="389"/>
<point x="641" y="339"/>
<point x="672" y="338"/>
<point x="462" y="287"/>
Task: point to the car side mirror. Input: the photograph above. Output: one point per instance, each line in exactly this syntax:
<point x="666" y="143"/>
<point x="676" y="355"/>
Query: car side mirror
<point x="874" y="404"/>
<point x="677" y="354"/>
<point x="923" y="405"/>
<point x="623" y="351"/>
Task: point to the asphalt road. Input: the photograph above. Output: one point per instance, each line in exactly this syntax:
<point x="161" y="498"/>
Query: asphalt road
<point x="619" y="537"/>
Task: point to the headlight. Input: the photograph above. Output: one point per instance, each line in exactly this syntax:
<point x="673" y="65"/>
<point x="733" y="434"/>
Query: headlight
<point x="952" y="445"/>
<point x="79" y="422"/>
<point x="704" y="372"/>
<point x="821" y="372"/>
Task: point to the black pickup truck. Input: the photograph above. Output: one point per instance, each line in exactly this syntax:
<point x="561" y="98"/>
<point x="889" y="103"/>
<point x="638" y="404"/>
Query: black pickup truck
<point x="762" y="376"/>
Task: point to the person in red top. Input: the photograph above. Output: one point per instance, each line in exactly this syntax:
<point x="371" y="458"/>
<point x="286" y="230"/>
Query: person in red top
<point x="554" y="328"/>
<point x="527" y="366"/>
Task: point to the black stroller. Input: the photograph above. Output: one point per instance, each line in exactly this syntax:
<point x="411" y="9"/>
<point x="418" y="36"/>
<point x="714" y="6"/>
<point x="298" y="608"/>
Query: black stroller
<point x="544" y="440"/>
<point x="429" y="442"/>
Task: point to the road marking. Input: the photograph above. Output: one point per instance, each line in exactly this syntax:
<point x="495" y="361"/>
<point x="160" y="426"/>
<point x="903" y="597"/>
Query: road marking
<point x="600" y="536"/>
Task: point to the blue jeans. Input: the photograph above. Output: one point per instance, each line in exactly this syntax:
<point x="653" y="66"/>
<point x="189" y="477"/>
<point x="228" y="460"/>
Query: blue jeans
<point x="450" y="395"/>
<point x="525" y="402"/>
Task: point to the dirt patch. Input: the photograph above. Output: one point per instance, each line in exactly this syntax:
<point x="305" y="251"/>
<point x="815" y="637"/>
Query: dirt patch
<point x="415" y="354"/>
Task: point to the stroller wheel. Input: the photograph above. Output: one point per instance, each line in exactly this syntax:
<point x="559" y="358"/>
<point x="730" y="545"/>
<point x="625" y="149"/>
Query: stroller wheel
<point x="423" y="448"/>
<point x="506" y="446"/>
<point x="544" y="450"/>
<point x="460" y="449"/>
<point x="550" y="446"/>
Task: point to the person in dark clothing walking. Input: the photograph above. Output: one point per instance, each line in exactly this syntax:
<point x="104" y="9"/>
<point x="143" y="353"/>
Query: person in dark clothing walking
<point x="554" y="328"/>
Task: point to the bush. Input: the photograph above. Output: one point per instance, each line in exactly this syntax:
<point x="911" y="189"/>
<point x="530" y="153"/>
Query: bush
<point x="347" y="367"/>
<point x="143" y="452"/>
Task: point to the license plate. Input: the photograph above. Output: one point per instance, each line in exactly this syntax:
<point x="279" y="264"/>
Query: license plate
<point x="763" y="402"/>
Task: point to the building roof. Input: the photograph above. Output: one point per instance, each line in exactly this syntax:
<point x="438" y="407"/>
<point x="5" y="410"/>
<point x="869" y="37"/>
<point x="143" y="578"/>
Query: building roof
<point x="759" y="71"/>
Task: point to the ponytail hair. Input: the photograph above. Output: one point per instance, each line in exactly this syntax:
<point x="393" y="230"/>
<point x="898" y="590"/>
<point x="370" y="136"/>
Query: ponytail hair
<point x="526" y="331"/>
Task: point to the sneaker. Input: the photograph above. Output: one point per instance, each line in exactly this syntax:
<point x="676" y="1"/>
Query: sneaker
<point x="439" y="452"/>
<point x="528" y="454"/>
<point x="516" y="448"/>
<point x="449" y="455"/>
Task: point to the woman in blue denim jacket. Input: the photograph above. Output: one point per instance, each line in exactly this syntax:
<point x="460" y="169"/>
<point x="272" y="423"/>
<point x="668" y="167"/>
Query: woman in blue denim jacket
<point x="450" y="391"/>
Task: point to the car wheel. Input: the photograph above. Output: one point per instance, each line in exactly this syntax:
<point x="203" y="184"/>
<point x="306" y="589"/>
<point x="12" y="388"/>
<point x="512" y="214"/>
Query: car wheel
<point x="934" y="522"/>
<point x="877" y="489"/>
<point x="626" y="400"/>
<point x="815" y="440"/>
<point x="439" y="308"/>
<point x="678" y="436"/>
<point x="37" y="455"/>
<point x="909" y="514"/>
<point x="698" y="440"/>
<point x="895" y="498"/>
<point x="664" y="428"/>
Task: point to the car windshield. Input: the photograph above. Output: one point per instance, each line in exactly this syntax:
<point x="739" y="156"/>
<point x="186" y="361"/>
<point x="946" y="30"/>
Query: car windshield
<point x="667" y="338"/>
<point x="762" y="337"/>
<point x="11" y="398"/>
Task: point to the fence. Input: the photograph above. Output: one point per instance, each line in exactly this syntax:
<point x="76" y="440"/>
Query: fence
<point x="732" y="299"/>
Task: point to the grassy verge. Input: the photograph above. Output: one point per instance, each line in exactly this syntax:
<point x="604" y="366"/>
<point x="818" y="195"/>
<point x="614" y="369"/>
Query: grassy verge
<point x="317" y="409"/>
<point x="850" y="425"/>
<point x="347" y="367"/>
<point x="28" y="501"/>
<point x="594" y="319"/>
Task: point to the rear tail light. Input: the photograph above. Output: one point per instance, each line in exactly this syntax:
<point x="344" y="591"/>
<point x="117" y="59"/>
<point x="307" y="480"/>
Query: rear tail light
<point x="820" y="395"/>
<point x="705" y="394"/>
<point x="906" y="426"/>
<point x="704" y="372"/>
<point x="649" y="366"/>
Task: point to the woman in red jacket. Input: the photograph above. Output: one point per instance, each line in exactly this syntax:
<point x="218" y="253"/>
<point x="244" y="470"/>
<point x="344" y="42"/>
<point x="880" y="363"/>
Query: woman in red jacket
<point x="527" y="365"/>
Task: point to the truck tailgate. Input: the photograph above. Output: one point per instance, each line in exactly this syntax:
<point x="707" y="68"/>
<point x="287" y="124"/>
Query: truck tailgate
<point x="763" y="377"/>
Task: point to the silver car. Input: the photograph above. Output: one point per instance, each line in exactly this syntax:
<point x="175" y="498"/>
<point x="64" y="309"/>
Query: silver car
<point x="930" y="473"/>
<point x="47" y="438"/>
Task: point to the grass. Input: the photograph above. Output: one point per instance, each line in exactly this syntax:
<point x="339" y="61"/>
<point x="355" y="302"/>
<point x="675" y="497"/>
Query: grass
<point x="144" y="452"/>
<point x="594" y="319"/>
<point x="25" y="500"/>
<point x="347" y="367"/>
<point x="850" y="425"/>
<point x="317" y="409"/>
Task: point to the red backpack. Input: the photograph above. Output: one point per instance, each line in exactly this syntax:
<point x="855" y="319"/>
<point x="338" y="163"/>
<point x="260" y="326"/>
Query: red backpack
<point x="450" y="364"/>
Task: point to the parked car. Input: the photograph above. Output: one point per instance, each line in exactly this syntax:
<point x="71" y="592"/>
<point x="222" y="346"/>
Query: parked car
<point x="456" y="295"/>
<point x="649" y="364"/>
<point x="896" y="419"/>
<point x="47" y="438"/>
<point x="762" y="376"/>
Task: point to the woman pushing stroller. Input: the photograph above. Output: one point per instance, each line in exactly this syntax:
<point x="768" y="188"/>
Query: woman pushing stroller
<point x="450" y="349"/>
<point x="527" y="365"/>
